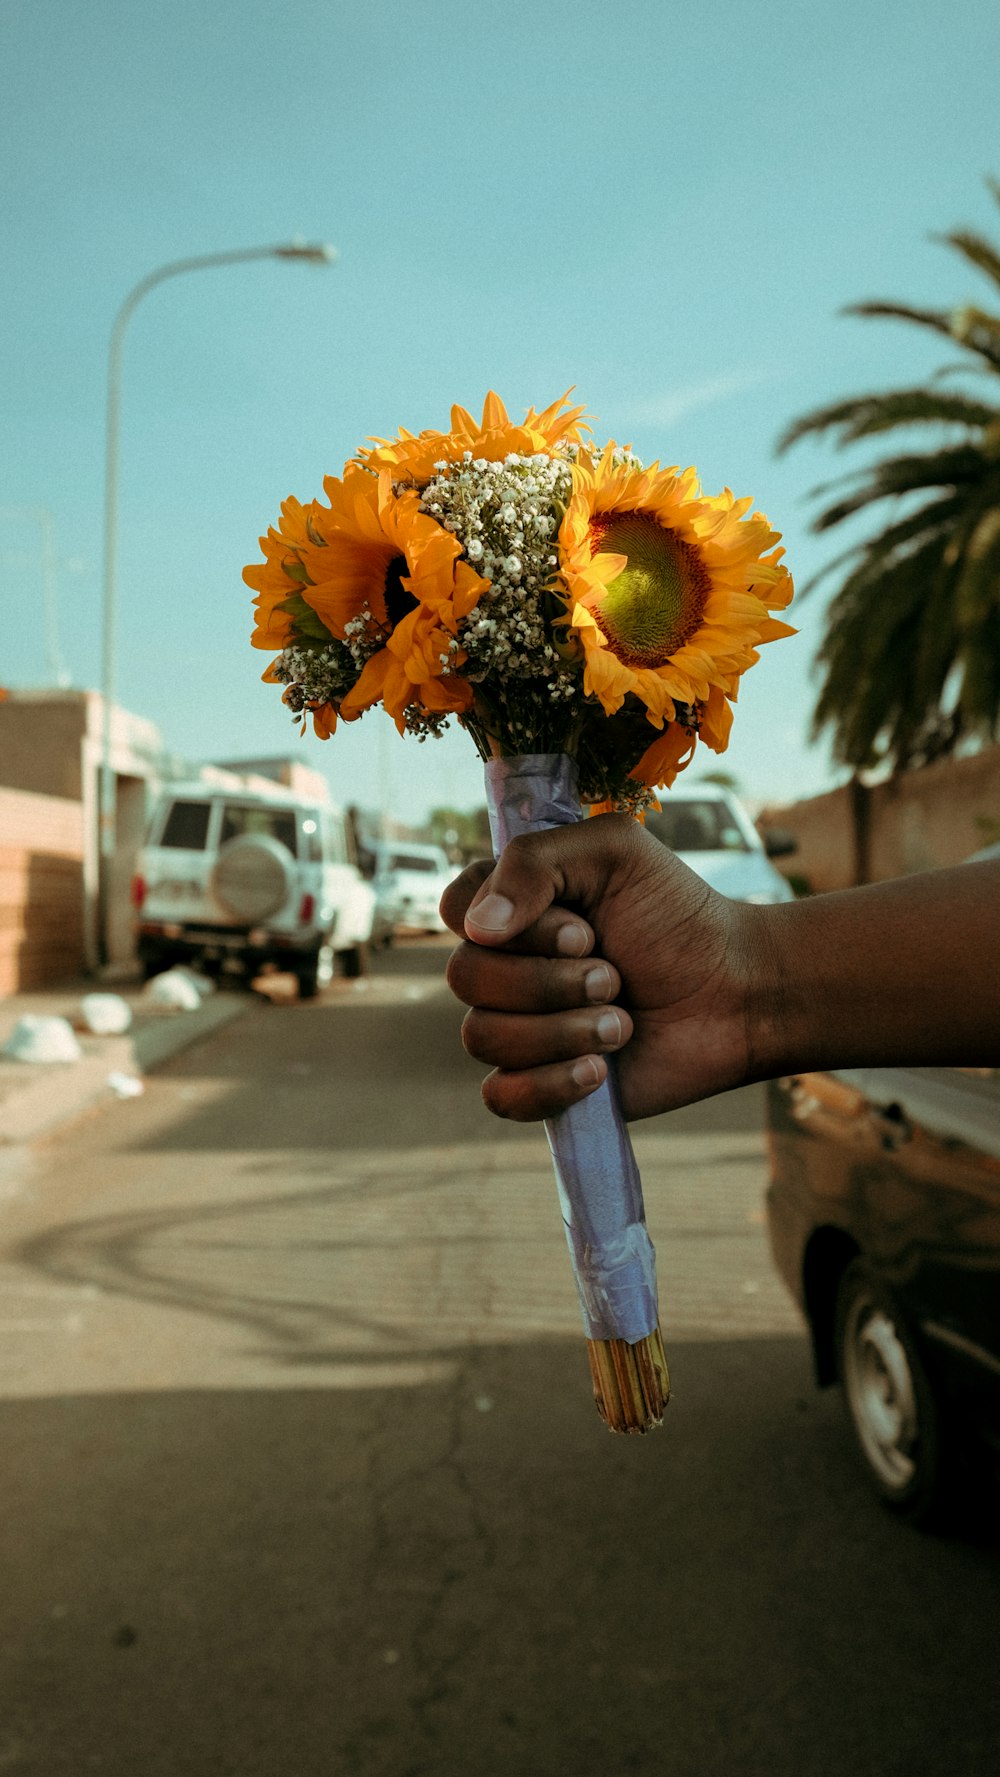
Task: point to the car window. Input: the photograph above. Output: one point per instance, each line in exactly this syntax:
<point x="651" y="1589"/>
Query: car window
<point x="186" y="825"/>
<point x="239" y="818"/>
<point x="409" y="860"/>
<point x="696" y="826"/>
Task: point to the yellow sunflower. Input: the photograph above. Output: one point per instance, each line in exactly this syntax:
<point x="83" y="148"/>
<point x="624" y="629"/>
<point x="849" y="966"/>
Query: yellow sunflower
<point x="417" y="664"/>
<point x="279" y="576"/>
<point x="412" y="456"/>
<point x="668" y="593"/>
<point x="381" y="562"/>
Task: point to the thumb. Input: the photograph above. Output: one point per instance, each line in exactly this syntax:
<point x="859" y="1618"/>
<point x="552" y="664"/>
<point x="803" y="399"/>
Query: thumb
<point x="570" y="865"/>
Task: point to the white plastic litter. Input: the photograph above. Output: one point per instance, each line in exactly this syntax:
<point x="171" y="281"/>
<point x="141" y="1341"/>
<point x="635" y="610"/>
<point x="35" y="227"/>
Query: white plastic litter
<point x="203" y="983"/>
<point x="126" y="1085"/>
<point x="106" y="1014"/>
<point x="173" y="991"/>
<point x="43" y="1039"/>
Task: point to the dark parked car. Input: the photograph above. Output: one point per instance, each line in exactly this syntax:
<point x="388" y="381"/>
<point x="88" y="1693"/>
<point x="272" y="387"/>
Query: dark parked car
<point x="884" y="1215"/>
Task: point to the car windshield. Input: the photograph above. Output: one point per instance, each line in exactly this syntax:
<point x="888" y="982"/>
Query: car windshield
<point x="411" y="860"/>
<point x="696" y="826"/>
<point x="270" y="823"/>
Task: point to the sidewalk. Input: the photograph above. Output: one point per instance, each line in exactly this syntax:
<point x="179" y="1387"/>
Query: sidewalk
<point x="37" y="1097"/>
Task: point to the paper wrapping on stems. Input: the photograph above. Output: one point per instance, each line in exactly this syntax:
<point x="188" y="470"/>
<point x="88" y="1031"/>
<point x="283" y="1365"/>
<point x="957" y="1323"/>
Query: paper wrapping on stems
<point x="599" y="1187"/>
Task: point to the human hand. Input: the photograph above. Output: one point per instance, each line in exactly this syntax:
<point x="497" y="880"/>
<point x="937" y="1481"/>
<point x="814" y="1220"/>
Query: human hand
<point x="594" y="922"/>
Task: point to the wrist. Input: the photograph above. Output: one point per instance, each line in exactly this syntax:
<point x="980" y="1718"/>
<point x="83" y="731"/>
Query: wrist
<point x="767" y="991"/>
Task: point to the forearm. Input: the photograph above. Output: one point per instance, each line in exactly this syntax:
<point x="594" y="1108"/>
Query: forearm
<point x="902" y="973"/>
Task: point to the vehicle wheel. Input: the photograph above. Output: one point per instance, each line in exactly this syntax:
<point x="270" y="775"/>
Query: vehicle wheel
<point x="896" y="1419"/>
<point x="354" y="961"/>
<point x="315" y="973"/>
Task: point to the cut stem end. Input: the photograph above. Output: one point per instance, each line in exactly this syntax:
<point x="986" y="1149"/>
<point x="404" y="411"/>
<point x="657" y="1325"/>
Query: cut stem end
<point x="631" y="1382"/>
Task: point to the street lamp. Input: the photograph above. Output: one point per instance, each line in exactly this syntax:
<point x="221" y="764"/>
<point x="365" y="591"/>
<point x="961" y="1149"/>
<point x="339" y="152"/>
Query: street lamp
<point x="311" y="253"/>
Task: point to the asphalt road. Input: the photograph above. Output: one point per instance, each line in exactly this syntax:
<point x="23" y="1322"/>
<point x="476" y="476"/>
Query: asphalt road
<point x="300" y="1476"/>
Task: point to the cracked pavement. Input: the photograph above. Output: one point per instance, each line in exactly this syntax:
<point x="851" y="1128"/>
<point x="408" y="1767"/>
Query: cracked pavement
<point x="301" y="1473"/>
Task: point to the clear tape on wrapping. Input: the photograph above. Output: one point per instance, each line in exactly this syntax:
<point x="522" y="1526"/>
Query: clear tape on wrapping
<point x="599" y="1187"/>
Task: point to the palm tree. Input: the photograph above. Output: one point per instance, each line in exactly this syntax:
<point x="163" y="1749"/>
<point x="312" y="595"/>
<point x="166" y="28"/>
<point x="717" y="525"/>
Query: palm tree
<point x="911" y="652"/>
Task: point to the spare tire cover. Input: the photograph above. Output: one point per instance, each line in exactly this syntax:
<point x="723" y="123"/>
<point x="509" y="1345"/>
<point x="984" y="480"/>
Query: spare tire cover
<point x="253" y="876"/>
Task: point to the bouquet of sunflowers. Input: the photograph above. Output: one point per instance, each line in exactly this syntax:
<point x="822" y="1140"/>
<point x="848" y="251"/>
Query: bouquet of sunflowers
<point x="586" y="619"/>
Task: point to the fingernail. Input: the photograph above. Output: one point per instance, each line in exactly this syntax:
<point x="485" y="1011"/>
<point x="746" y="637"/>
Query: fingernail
<point x="609" y="1027"/>
<point x="492" y="914"/>
<point x="586" y="1071"/>
<point x="597" y="983"/>
<point x="571" y="940"/>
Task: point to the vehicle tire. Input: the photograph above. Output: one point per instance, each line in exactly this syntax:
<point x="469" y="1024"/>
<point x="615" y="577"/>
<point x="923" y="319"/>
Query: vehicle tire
<point x="315" y="972"/>
<point x="898" y="1422"/>
<point x="354" y="961"/>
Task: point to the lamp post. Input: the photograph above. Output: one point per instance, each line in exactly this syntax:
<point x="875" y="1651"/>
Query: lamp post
<point x="311" y="253"/>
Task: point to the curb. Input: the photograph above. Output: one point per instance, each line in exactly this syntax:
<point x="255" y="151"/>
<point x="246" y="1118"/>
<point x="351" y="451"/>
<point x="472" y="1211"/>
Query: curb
<point x="36" y="1099"/>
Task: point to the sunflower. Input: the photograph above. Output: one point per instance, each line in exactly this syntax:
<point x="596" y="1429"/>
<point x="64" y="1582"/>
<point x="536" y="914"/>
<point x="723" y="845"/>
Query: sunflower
<point x="279" y="577"/>
<point x="369" y="570"/>
<point x="668" y="596"/>
<point x="412" y="456"/>
<point x="418" y="663"/>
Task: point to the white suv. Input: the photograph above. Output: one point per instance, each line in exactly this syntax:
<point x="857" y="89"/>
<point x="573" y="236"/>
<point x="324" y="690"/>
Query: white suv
<point x="238" y="878"/>
<point x="409" y="881"/>
<point x="710" y="829"/>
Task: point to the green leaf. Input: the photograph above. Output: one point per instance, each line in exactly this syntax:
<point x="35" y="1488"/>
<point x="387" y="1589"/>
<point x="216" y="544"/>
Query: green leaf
<point x="305" y="619"/>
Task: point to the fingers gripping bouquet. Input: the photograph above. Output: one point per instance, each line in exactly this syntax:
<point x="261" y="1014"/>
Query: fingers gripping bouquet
<point x="587" y="620"/>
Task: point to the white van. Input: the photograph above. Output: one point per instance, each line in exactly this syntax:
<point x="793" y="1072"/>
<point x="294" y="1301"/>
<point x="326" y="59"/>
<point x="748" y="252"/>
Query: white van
<point x="233" y="879"/>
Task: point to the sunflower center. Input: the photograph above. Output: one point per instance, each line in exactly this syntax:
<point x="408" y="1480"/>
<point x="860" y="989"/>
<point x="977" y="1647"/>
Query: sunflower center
<point x="656" y="603"/>
<point x="398" y="601"/>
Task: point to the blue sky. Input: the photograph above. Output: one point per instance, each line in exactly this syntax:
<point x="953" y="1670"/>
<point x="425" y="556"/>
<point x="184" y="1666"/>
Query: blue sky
<point x="666" y="206"/>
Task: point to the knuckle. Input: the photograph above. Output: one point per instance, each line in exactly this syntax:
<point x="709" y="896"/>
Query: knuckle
<point x="555" y="985"/>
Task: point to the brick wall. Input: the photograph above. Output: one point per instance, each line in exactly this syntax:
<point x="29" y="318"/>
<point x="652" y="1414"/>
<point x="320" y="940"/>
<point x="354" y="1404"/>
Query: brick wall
<point x="41" y="889"/>
<point x="921" y="821"/>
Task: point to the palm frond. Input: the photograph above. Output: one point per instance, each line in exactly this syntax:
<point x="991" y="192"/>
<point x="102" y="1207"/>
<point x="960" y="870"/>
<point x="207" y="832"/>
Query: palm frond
<point x="939" y="320"/>
<point x="896" y="476"/>
<point x="864" y="416"/>
<point x="874" y="653"/>
<point x="910" y="657"/>
<point x="976" y="250"/>
<point x="936" y="519"/>
<point x="976" y="328"/>
<point x="977" y="591"/>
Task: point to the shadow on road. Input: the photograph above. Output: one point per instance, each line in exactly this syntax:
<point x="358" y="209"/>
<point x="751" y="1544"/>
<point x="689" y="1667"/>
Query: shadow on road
<point x="393" y="1539"/>
<point x="474" y="1577"/>
<point x="306" y="1076"/>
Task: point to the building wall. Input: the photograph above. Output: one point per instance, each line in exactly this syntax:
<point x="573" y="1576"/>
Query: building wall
<point x="40" y="742"/>
<point x="41" y="889"/>
<point x="921" y="821"/>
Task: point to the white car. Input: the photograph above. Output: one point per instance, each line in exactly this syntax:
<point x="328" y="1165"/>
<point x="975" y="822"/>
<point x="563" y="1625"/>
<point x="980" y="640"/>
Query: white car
<point x="409" y="882"/>
<point x="239" y="878"/>
<point x="707" y="827"/>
